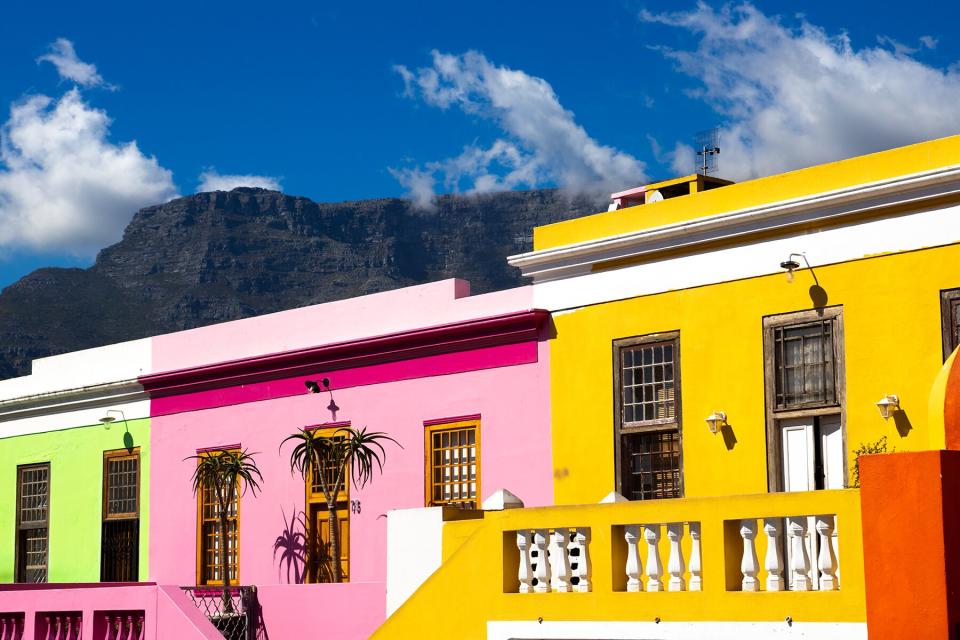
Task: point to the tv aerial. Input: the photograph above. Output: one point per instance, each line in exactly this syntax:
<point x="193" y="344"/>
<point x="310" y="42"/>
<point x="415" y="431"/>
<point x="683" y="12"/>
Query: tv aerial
<point x="707" y="145"/>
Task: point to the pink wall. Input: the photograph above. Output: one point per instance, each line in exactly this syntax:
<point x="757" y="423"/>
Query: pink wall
<point x="508" y="385"/>
<point x="168" y="612"/>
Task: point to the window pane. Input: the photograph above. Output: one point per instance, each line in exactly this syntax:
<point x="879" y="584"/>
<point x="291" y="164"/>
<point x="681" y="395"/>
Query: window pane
<point x="455" y="457"/>
<point x="804" y="373"/>
<point x="650" y="465"/>
<point x="32" y="516"/>
<point x="648" y="387"/>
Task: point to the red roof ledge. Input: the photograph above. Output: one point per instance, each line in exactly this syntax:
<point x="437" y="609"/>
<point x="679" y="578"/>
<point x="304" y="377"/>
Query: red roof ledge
<point x="520" y="326"/>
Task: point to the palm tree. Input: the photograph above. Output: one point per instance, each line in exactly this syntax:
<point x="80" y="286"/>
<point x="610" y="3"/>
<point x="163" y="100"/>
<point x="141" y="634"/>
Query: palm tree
<point x="224" y="472"/>
<point x="345" y="452"/>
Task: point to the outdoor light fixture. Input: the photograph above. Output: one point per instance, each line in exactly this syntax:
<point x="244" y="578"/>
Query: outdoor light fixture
<point x="716" y="420"/>
<point x="888" y="405"/>
<point x="108" y="419"/>
<point x="790" y="264"/>
<point x="313" y="386"/>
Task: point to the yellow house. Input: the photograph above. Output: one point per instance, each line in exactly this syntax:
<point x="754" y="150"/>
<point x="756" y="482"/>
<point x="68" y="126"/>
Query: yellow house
<point x="721" y="355"/>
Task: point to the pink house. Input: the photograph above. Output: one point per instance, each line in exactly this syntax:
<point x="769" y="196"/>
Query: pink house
<point x="444" y="373"/>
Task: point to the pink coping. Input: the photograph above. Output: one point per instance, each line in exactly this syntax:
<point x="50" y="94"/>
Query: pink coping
<point x="436" y="365"/>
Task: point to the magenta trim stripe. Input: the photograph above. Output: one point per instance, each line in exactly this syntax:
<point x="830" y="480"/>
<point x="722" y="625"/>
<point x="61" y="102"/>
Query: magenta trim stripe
<point x="223" y="447"/>
<point x="436" y="365"/>
<point x="430" y="423"/>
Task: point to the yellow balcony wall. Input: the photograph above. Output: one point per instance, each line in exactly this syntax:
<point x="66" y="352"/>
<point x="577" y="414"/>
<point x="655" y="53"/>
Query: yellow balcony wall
<point x="478" y="579"/>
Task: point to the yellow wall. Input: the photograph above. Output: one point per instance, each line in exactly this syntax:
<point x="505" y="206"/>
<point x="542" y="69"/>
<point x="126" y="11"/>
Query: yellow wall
<point x="891" y="314"/>
<point x="477" y="581"/>
<point x="826" y="177"/>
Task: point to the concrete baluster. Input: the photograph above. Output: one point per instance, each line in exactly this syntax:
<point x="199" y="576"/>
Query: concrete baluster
<point x="542" y="571"/>
<point x="773" y="562"/>
<point x="584" y="570"/>
<point x="696" y="561"/>
<point x="749" y="565"/>
<point x="651" y="533"/>
<point x="826" y="560"/>
<point x="525" y="571"/>
<point x="559" y="541"/>
<point x="800" y="562"/>
<point x="631" y="533"/>
<point x="675" y="564"/>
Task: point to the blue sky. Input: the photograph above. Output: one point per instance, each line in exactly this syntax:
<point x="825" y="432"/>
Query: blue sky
<point x="351" y="100"/>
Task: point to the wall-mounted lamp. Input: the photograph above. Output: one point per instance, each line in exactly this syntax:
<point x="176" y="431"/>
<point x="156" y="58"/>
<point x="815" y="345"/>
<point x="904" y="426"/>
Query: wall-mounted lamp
<point x="107" y="420"/>
<point x="790" y="265"/>
<point x="319" y="386"/>
<point x="716" y="421"/>
<point x="314" y="386"/>
<point x="888" y="405"/>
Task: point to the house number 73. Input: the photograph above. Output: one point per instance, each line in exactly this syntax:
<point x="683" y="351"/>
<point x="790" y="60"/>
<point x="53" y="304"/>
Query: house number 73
<point x="355" y="506"/>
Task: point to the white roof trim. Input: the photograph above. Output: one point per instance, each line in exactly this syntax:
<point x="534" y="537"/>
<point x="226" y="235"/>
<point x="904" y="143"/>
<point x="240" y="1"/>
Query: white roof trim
<point x="67" y="400"/>
<point x="575" y="259"/>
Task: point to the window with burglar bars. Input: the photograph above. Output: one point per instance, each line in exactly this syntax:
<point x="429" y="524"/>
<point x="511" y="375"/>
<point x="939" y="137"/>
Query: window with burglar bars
<point x="950" y="317"/>
<point x="804" y="365"/>
<point x="211" y="545"/>
<point x="453" y="464"/>
<point x="120" y="535"/>
<point x="649" y="464"/>
<point x="33" y="517"/>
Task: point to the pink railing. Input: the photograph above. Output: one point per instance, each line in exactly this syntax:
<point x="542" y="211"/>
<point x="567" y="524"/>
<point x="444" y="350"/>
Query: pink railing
<point x="11" y="626"/>
<point x="119" y="625"/>
<point x="59" y="625"/>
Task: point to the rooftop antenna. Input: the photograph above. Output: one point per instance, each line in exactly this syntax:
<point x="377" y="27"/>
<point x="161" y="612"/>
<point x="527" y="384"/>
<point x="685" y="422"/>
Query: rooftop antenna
<point x="707" y="145"/>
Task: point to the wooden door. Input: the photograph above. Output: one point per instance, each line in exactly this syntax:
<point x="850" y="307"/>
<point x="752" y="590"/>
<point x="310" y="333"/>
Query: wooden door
<point x="320" y="521"/>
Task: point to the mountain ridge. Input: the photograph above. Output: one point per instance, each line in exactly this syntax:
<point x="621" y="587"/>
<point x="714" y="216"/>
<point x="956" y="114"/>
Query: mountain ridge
<point x="225" y="255"/>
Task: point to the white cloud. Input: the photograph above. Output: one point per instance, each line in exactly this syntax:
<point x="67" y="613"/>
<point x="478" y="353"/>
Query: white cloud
<point x="541" y="143"/>
<point x="792" y="96"/>
<point x="63" y="185"/>
<point x="64" y="57"/>
<point x="210" y="180"/>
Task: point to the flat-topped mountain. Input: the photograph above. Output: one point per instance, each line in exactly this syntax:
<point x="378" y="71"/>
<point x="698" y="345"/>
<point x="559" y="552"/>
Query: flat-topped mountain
<point x="213" y="257"/>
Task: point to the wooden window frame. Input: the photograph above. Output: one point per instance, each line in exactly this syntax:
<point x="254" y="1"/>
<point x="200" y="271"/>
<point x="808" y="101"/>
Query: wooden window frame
<point x="431" y="427"/>
<point x="949" y="299"/>
<point x="17" y="571"/>
<point x="312" y="498"/>
<point x="661" y="424"/>
<point x="773" y="415"/>
<point x="201" y="581"/>
<point x="109" y="456"/>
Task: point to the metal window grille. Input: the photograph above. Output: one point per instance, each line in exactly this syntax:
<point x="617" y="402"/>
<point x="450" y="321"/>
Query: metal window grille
<point x="454" y="457"/>
<point x="648" y="383"/>
<point x="805" y="372"/>
<point x="32" y="523"/>
<point x="651" y="465"/>
<point x="121" y="477"/>
<point x="120" y="550"/>
<point x="211" y="541"/>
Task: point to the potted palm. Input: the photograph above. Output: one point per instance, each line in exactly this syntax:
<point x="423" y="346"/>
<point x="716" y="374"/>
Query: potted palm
<point x="347" y="454"/>
<point x="224" y="473"/>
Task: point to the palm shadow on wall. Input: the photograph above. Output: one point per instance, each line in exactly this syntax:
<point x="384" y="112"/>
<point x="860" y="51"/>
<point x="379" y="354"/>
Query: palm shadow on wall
<point x="290" y="550"/>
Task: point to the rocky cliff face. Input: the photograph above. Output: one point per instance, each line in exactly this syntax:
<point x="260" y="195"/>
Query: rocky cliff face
<point x="220" y="256"/>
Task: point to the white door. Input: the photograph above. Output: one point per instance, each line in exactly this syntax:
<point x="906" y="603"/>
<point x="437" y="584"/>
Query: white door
<point x="798" y="454"/>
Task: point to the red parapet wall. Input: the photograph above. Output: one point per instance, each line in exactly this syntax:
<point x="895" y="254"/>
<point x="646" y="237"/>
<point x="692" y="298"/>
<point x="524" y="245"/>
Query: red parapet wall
<point x="910" y="505"/>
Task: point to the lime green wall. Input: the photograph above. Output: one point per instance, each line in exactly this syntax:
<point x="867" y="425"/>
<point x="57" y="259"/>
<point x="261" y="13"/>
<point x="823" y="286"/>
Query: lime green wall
<point x="76" y="488"/>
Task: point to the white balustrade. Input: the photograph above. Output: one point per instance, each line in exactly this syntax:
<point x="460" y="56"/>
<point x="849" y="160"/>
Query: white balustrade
<point x="651" y="533"/>
<point x="581" y="538"/>
<point x="559" y="558"/>
<point x="675" y="563"/>
<point x="749" y="565"/>
<point x="554" y="560"/>
<point x="525" y="572"/>
<point x="542" y="570"/>
<point x="696" y="563"/>
<point x="826" y="560"/>
<point x="799" y="562"/>
<point x="631" y="533"/>
<point x="773" y="562"/>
